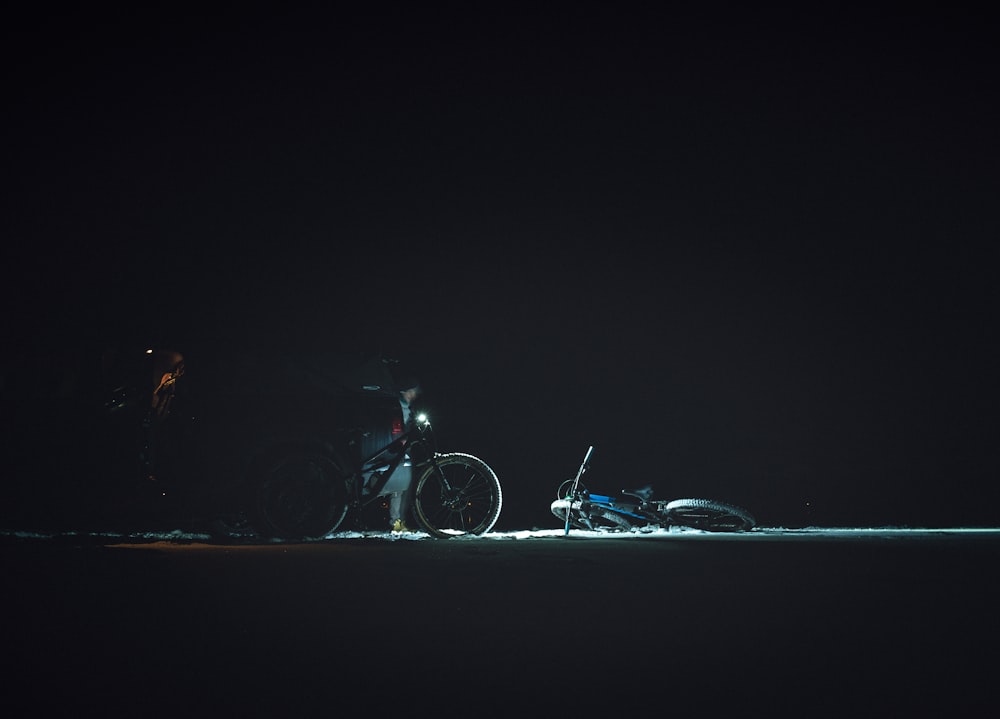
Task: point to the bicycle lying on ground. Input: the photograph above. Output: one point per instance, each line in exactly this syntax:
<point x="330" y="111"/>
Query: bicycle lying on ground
<point x="635" y="509"/>
<point x="306" y="494"/>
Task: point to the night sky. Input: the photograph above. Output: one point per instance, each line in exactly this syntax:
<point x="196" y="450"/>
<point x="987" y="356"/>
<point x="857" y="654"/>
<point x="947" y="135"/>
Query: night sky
<point x="748" y="256"/>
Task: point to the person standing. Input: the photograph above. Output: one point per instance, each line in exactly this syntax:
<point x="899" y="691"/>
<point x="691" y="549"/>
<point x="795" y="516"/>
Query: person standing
<point x="401" y="498"/>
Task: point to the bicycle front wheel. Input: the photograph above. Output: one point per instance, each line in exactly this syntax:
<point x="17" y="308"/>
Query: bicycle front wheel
<point x="709" y="515"/>
<point x="576" y="519"/>
<point x="593" y="518"/>
<point x="457" y="494"/>
<point x="607" y="520"/>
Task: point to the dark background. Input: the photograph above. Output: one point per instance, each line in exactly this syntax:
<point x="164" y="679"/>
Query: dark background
<point x="748" y="256"/>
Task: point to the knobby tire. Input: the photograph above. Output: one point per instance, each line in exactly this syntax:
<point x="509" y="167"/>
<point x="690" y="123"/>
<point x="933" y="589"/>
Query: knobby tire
<point x="594" y="519"/>
<point x="301" y="495"/>
<point x="466" y="500"/>
<point x="708" y="515"/>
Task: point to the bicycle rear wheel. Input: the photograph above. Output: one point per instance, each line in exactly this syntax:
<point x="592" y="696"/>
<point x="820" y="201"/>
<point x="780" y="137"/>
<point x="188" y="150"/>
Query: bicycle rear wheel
<point x="457" y="494"/>
<point x="708" y="515"/>
<point x="300" y="496"/>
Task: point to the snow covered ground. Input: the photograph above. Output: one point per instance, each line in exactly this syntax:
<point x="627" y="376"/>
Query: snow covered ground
<point x="672" y="533"/>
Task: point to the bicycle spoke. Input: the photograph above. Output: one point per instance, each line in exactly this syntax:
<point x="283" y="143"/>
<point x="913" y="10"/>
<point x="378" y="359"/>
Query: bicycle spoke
<point x="458" y="494"/>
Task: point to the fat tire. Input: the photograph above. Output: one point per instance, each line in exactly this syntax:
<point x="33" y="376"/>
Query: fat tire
<point x="473" y="506"/>
<point x="708" y="515"/>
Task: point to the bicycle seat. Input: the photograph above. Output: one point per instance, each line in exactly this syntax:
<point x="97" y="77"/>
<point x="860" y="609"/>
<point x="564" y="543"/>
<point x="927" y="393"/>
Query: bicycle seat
<point x="642" y="494"/>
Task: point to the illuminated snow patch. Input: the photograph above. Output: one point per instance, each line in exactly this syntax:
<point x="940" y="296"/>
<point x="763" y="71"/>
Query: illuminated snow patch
<point x="679" y="533"/>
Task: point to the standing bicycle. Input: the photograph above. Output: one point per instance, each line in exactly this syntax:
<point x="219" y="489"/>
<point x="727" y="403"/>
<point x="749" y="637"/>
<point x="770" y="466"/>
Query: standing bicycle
<point x="306" y="491"/>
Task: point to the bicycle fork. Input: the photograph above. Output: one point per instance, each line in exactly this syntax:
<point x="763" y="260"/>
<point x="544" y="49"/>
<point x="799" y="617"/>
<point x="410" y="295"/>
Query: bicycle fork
<point x="576" y="483"/>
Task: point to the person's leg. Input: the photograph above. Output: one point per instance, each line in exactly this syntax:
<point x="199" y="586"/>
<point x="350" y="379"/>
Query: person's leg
<point x="400" y="501"/>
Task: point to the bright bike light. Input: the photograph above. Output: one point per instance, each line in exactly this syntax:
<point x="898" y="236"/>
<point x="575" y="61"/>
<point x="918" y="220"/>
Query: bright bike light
<point x="423" y="419"/>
